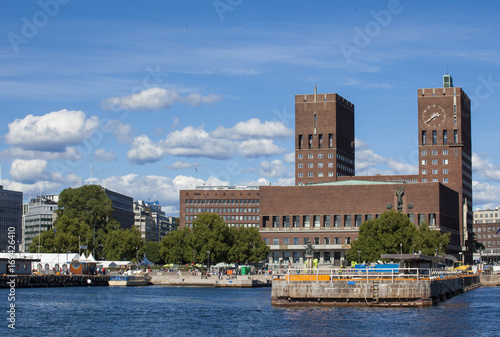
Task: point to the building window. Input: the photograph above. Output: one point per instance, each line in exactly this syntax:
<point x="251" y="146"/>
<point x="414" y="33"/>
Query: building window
<point x="276" y="241"/>
<point x="286" y="222"/>
<point x="307" y="222"/>
<point x="357" y="220"/>
<point x="285" y="241"/>
<point x="327" y="241"/>
<point x="424" y="152"/>
<point x="330" y="155"/>
<point x="336" y="220"/>
<point x="330" y="140"/>
<point x="326" y="221"/>
<point x="434" y="152"/>
<point x="445" y="152"/>
<point x="320" y="165"/>
<point x="445" y="137"/>
<point x="424" y="171"/>
<point x="424" y="180"/>
<point x="455" y="136"/>
<point x="310" y="165"/>
<point x="326" y="255"/>
<point x="320" y="141"/>
<point x="411" y="217"/>
<point x="424" y="162"/>
<point x="347" y="240"/>
<point x="300" y="174"/>
<point x="310" y="174"/>
<point x="310" y="141"/>
<point x="434" y="162"/>
<point x="316" y="221"/>
<point x="347" y="221"/>
<point x="300" y="156"/>
<point x="295" y="222"/>
<point x="266" y="240"/>
<point x="368" y="217"/>
<point x="445" y="161"/>
<point x="320" y="156"/>
<point x="320" y="174"/>
<point x="445" y="171"/>
<point x="434" y="137"/>
<point x="330" y="164"/>
<point x="316" y="241"/>
<point x="421" y="218"/>
<point x="435" y="180"/>
<point x="330" y="174"/>
<point x="276" y="221"/>
<point x="300" y="165"/>
<point x="445" y="181"/>
<point x="432" y="219"/>
<point x="337" y="241"/>
<point x="296" y="241"/>
<point x="310" y="156"/>
<point x="424" y="137"/>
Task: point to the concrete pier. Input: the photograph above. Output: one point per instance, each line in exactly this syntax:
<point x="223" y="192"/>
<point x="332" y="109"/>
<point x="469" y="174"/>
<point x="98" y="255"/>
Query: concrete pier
<point x="189" y="279"/>
<point x="369" y="290"/>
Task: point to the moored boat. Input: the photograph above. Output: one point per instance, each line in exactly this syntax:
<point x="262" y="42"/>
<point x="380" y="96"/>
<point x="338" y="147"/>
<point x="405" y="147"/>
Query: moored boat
<point x="129" y="279"/>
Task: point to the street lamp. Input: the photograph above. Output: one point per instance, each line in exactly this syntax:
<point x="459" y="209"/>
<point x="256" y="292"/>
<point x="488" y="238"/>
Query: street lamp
<point x="359" y="256"/>
<point x="461" y="257"/>
<point x="208" y="265"/>
<point x="401" y="248"/>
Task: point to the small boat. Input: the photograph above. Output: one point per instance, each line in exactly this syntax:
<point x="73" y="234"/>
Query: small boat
<point x="129" y="279"/>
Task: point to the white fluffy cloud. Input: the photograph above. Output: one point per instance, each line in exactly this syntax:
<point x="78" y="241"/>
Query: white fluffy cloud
<point x="28" y="170"/>
<point x="122" y="131"/>
<point x="259" y="147"/>
<point x="274" y="168"/>
<point x="183" y="165"/>
<point x="51" y="132"/>
<point x="155" y="99"/>
<point x="485" y="168"/>
<point x="370" y="163"/>
<point x="254" y="128"/>
<point x="144" y="151"/>
<point x="103" y="156"/>
<point x="195" y="142"/>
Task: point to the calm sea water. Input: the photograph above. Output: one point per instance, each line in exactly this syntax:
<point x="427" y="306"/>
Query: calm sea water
<point x="185" y="311"/>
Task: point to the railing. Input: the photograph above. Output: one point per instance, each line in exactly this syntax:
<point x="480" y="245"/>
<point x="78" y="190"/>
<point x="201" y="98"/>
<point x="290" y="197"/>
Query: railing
<point x="369" y="274"/>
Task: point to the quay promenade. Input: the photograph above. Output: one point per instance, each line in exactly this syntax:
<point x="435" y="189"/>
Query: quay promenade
<point x="349" y="287"/>
<point x="53" y="280"/>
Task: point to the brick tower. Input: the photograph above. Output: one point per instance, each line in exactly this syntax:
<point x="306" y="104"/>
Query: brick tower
<point x="324" y="138"/>
<point x="444" y="127"/>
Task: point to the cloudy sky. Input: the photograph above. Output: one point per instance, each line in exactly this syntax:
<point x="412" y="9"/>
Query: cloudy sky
<point x="147" y="98"/>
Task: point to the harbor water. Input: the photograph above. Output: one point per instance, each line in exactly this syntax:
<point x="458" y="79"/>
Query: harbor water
<point x="190" y="311"/>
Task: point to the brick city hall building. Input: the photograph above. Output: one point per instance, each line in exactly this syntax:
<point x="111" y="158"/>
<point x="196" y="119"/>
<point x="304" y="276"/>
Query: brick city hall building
<point x="328" y="203"/>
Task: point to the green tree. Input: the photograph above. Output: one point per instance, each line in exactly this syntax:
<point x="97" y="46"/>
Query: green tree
<point x="173" y="246"/>
<point x="123" y="244"/>
<point x="430" y="241"/>
<point x="391" y="233"/>
<point x="248" y="245"/>
<point x="152" y="251"/>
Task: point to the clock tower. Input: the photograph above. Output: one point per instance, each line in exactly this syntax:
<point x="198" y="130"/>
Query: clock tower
<point x="444" y="131"/>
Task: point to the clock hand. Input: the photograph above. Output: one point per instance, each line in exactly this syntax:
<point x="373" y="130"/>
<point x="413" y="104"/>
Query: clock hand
<point x="434" y="115"/>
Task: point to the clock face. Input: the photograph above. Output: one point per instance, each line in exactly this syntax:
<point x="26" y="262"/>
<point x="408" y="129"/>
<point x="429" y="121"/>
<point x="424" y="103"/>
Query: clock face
<point x="433" y="116"/>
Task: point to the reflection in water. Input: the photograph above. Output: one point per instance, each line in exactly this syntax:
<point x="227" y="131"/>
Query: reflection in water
<point x="178" y="311"/>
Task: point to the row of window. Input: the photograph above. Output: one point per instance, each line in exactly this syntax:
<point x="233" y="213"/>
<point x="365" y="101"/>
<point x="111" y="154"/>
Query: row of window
<point x="435" y="171"/>
<point x="307" y="221"/>
<point x="222" y="210"/>
<point x="315" y="241"/>
<point x="435" y="180"/>
<point x="435" y="152"/>
<point x="486" y="215"/>
<point x="485" y="236"/>
<point x="434" y="137"/>
<point x="237" y="225"/>
<point x="222" y="201"/>
<point x="485" y="229"/>
<point x="320" y="140"/>
<point x="435" y="162"/>
<point x="311" y="165"/>
<point x="231" y="217"/>
<point x="311" y="156"/>
<point x="294" y="257"/>
<point x="311" y="174"/>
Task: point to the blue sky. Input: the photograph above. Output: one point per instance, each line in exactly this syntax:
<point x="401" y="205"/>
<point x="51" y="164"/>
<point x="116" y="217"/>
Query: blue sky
<point x="147" y="98"/>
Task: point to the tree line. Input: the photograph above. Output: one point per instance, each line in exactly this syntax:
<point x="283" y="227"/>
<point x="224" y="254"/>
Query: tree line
<point x="84" y="218"/>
